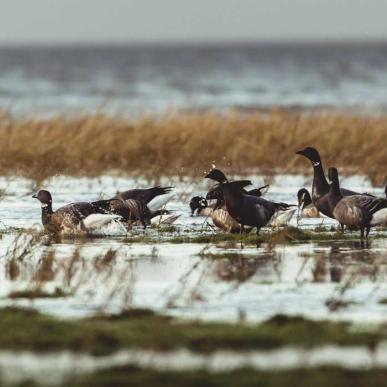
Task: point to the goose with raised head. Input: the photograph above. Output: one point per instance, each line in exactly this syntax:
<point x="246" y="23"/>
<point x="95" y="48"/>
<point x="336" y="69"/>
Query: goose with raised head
<point x="355" y="210"/>
<point x="72" y="217"/>
<point x="246" y="209"/>
<point x="320" y="186"/>
<point x="305" y="205"/>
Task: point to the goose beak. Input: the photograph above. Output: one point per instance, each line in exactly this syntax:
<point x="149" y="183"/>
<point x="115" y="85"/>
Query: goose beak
<point x="35" y="196"/>
<point x="300" y="152"/>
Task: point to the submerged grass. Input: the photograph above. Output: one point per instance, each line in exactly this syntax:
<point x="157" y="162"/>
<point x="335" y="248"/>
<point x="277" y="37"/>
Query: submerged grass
<point x="186" y="144"/>
<point x="284" y="235"/>
<point x="37" y="293"/>
<point x="316" y="377"/>
<point x="29" y="330"/>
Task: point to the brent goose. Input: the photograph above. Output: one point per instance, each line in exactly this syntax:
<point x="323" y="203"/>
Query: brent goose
<point x="246" y="209"/>
<point x="356" y="210"/>
<point x="219" y="215"/>
<point x="130" y="210"/>
<point x="72" y="217"/>
<point x="199" y="205"/>
<point x="320" y="187"/>
<point x="305" y="205"/>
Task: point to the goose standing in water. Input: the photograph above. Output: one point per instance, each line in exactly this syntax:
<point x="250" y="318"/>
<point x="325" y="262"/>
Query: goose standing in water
<point x="305" y="205"/>
<point x="356" y="210"/>
<point x="246" y="209"/>
<point x="130" y="211"/>
<point x="81" y="216"/>
<point x="147" y="204"/>
<point x="220" y="216"/>
<point x="320" y="186"/>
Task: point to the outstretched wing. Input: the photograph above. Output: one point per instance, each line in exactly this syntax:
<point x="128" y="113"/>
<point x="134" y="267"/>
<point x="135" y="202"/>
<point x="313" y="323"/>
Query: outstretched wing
<point x="145" y="195"/>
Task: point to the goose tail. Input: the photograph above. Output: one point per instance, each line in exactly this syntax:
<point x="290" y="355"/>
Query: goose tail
<point x="160" y="201"/>
<point x="96" y="221"/>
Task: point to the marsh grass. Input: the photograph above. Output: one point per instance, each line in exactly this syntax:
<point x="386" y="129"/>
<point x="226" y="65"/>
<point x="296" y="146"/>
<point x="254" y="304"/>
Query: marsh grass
<point x="186" y="144"/>
<point x="304" y="377"/>
<point x="22" y="330"/>
<point x="38" y="293"/>
<point x="272" y="237"/>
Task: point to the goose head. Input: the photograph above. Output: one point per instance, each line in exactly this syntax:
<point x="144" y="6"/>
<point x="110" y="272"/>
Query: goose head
<point x="311" y="154"/>
<point x="333" y="176"/>
<point x="198" y="203"/>
<point x="217" y="175"/>
<point x="302" y="194"/>
<point x="44" y="197"/>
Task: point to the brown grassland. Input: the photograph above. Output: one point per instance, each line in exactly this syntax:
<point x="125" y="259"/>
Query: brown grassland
<point x="187" y="144"/>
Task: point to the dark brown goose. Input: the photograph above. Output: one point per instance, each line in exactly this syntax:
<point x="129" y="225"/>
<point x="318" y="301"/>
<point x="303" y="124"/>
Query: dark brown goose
<point x="129" y="210"/>
<point x="356" y="210"/>
<point x="320" y="187"/>
<point x="305" y="205"/>
<point x="220" y="217"/>
<point x="70" y="218"/>
<point x="246" y="209"/>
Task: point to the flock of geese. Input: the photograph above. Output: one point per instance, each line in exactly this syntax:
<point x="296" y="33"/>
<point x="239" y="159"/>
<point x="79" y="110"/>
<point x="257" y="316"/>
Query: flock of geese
<point x="234" y="209"/>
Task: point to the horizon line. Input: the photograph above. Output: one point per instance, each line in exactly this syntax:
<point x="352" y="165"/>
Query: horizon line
<point x="200" y="43"/>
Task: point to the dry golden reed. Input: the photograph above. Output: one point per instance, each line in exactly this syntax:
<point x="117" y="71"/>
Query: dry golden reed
<point x="186" y="144"/>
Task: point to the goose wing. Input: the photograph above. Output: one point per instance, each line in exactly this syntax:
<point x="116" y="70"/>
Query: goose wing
<point x="258" y="211"/>
<point x="76" y="211"/>
<point x="145" y="195"/>
<point x="257" y="191"/>
<point x="112" y="206"/>
<point x="348" y="192"/>
<point x="368" y="203"/>
<point x="71" y="215"/>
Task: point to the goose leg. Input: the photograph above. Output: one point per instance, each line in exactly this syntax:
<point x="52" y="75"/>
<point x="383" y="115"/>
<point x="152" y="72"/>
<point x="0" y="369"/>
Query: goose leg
<point x="362" y="233"/>
<point x="241" y="234"/>
<point x="258" y="229"/>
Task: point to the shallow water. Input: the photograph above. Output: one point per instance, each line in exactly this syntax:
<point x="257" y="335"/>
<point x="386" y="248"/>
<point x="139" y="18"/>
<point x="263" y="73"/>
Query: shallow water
<point x="55" y="367"/>
<point x="327" y="279"/>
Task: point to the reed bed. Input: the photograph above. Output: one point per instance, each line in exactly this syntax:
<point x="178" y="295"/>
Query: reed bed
<point x="187" y="144"/>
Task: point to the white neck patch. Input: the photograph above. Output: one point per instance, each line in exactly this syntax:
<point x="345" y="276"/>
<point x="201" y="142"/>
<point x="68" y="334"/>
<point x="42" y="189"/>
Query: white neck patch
<point x="44" y="205"/>
<point x="316" y="164"/>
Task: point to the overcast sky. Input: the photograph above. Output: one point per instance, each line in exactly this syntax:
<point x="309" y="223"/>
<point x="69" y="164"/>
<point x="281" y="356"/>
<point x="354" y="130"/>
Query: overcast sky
<point x="131" y="21"/>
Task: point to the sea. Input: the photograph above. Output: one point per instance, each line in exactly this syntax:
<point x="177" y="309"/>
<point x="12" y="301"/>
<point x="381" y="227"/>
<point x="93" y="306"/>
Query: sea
<point x="135" y="80"/>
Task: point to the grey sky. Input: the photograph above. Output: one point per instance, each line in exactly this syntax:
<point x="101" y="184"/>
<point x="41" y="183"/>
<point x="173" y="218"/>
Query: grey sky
<point x="80" y="21"/>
